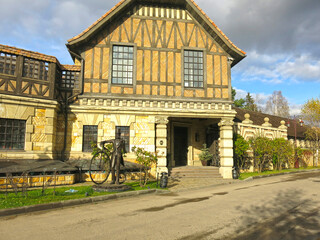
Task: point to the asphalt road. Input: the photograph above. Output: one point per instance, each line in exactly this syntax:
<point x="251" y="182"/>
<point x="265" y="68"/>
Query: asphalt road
<point x="282" y="207"/>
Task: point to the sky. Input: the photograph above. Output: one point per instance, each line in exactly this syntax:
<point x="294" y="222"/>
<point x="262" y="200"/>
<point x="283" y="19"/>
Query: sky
<point x="281" y="39"/>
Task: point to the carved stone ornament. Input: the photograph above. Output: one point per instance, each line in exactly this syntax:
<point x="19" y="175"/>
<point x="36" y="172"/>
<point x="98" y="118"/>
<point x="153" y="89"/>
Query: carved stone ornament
<point x="247" y="119"/>
<point x="162" y="120"/>
<point x="266" y="122"/>
<point x="283" y="126"/>
<point x="226" y="122"/>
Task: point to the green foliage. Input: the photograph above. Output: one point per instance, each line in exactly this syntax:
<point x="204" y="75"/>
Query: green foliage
<point x="233" y="93"/>
<point x="240" y="103"/>
<point x="241" y="147"/>
<point x="283" y="152"/>
<point x="146" y="159"/>
<point x="262" y="151"/>
<point x="273" y="172"/>
<point x="205" y="154"/>
<point x="250" y="104"/>
<point x="11" y="200"/>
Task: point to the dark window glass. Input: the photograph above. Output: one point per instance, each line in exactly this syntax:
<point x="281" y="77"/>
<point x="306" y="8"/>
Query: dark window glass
<point x="35" y="69"/>
<point x="125" y="135"/>
<point x="8" y="63"/>
<point x="122" y="65"/>
<point x="193" y="68"/>
<point x="12" y="134"/>
<point x="90" y="134"/>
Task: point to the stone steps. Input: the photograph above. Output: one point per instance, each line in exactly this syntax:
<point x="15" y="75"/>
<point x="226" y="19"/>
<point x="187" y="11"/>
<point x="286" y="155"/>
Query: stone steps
<point x="195" y="172"/>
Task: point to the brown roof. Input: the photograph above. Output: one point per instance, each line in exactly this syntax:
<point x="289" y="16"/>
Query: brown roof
<point x="258" y="119"/>
<point x="38" y="56"/>
<point x="27" y="53"/>
<point x="116" y="7"/>
<point x="71" y="67"/>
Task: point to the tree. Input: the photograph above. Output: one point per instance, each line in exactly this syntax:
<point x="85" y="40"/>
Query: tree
<point x="146" y="159"/>
<point x="277" y="105"/>
<point x="239" y="103"/>
<point x="311" y="115"/>
<point x="262" y="151"/>
<point x="250" y="104"/>
<point x="241" y="147"/>
<point x="283" y="152"/>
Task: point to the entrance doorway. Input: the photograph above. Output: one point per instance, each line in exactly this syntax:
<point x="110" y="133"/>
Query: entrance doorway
<point x="181" y="146"/>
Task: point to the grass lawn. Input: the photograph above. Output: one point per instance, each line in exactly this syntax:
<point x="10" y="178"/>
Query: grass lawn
<point x="11" y="200"/>
<point x="253" y="174"/>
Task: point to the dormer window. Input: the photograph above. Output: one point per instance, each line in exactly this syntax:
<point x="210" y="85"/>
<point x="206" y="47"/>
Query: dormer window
<point x="193" y="69"/>
<point x="122" y="64"/>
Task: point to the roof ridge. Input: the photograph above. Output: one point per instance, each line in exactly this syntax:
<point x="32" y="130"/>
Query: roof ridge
<point x="121" y="2"/>
<point x="28" y="53"/>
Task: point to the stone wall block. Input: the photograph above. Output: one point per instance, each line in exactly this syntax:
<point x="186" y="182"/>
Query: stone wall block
<point x="29" y="128"/>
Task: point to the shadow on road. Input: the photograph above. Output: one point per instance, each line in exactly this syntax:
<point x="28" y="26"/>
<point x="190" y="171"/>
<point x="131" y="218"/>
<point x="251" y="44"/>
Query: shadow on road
<point x="288" y="216"/>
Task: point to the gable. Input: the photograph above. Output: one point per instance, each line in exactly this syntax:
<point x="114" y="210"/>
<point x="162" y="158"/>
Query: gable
<point x="184" y="11"/>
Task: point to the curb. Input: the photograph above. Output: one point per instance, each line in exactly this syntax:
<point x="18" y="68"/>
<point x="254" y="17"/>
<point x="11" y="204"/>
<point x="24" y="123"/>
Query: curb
<point x="279" y="174"/>
<point x="75" y="202"/>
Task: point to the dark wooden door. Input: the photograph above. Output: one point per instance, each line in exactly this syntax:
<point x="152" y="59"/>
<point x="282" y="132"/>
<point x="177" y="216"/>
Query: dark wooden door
<point x="181" y="146"/>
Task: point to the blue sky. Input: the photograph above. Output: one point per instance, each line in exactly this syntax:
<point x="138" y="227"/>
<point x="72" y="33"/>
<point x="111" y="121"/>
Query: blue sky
<point x="281" y="38"/>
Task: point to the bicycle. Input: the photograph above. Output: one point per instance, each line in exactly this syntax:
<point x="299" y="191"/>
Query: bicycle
<point x="101" y="163"/>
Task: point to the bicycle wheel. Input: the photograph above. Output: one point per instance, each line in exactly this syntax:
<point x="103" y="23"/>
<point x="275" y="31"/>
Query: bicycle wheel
<point x="100" y="168"/>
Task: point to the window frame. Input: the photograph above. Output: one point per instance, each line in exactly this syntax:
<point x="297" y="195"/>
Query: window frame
<point x="85" y="142"/>
<point x="204" y="62"/>
<point x="21" y="134"/>
<point x="134" y="46"/>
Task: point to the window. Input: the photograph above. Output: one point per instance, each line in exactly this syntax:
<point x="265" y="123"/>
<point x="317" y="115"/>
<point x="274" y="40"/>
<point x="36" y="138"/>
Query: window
<point x="90" y="134"/>
<point x="125" y="135"/>
<point x="8" y="63"/>
<point x="122" y="64"/>
<point x="35" y="69"/>
<point x="12" y="134"/>
<point x="193" y="68"/>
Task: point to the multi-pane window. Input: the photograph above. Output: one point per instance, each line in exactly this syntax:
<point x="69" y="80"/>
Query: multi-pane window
<point x="122" y="64"/>
<point x="90" y="134"/>
<point x="70" y="79"/>
<point x="35" y="69"/>
<point x="125" y="135"/>
<point x="8" y="63"/>
<point x="12" y="134"/>
<point x="193" y="68"/>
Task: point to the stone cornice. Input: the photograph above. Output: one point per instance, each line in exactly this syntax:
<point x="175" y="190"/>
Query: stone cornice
<point x="194" y="109"/>
<point x="27" y="101"/>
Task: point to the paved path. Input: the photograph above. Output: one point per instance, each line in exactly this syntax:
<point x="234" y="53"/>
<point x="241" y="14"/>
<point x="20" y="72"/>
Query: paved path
<point x="282" y="207"/>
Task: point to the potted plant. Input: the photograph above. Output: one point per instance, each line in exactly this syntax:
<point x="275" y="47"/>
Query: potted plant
<point x="205" y="156"/>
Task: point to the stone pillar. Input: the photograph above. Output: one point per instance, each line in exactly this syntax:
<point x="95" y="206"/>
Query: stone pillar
<point x="161" y="143"/>
<point x="226" y="148"/>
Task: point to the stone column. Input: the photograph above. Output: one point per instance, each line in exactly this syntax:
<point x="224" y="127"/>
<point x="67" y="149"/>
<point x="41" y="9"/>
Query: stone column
<point x="226" y="148"/>
<point x="161" y="143"/>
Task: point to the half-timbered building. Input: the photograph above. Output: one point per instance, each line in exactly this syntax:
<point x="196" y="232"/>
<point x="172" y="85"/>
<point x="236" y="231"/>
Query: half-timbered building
<point x="158" y="70"/>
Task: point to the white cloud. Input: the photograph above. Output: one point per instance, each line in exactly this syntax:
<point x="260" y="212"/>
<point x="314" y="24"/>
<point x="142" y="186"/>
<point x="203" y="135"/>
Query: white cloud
<point x="301" y="68"/>
<point x="279" y="68"/>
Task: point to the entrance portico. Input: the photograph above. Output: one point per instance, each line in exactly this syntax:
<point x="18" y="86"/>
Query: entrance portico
<point x="186" y="137"/>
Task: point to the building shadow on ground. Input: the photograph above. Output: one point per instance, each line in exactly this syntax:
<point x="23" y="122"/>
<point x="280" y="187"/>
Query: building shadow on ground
<point x="288" y="216"/>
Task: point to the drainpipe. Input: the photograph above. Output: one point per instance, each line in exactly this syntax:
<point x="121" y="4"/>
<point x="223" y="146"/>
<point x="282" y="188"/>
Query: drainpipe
<point x="66" y="105"/>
